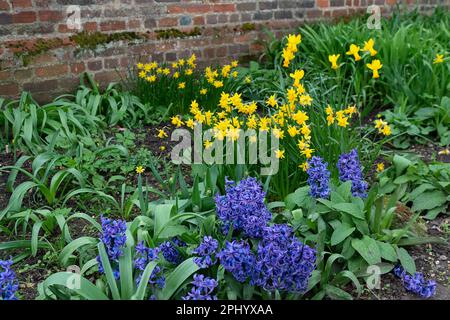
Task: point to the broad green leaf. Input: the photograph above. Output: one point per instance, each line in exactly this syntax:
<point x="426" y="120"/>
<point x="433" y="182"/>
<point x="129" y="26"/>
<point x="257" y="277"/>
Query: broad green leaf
<point x="406" y="260"/>
<point x="341" y="233"/>
<point x="368" y="249"/>
<point x="350" y="208"/>
<point x="178" y="277"/>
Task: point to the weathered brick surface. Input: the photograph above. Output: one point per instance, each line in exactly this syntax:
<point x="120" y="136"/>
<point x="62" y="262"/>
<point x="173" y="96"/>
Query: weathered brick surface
<point x="225" y="29"/>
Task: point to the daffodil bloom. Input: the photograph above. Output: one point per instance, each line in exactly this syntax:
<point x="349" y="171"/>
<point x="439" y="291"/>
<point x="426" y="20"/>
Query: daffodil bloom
<point x="253" y="139"/>
<point x="176" y="121"/>
<point x="203" y="91"/>
<point x="291" y="95"/>
<point x="162" y="148"/>
<point x="166" y="71"/>
<point x="182" y="85"/>
<point x="218" y="84"/>
<point x="140" y="169"/>
<point x="264" y="124"/>
<point x="354" y="50"/>
<point x="293" y="41"/>
<point x="188" y="72"/>
<point x="287" y="55"/>
<point x="279" y="154"/>
<point x="368" y="46"/>
<point x="386" y="130"/>
<point x="235" y="74"/>
<point x="302" y="144"/>
<point x="341" y="119"/>
<point x="380" y="167"/>
<point x="190" y="123"/>
<point x="251" y="122"/>
<point x="147" y="67"/>
<point x="142" y="74"/>
<point x="152" y="78"/>
<point x="330" y="119"/>
<point x="375" y="66"/>
<point x="307" y="153"/>
<point x="272" y="101"/>
<point x="350" y="110"/>
<point x="248" y="80"/>
<point x="439" y="58"/>
<point x="329" y="110"/>
<point x="333" y="59"/>
<point x="162" y="134"/>
<point x="279" y="134"/>
<point x="226" y="70"/>
<point x="174" y="65"/>
<point x="304" y="166"/>
<point x="140" y="65"/>
<point x="176" y="75"/>
<point x="305" y="130"/>
<point x="181" y="62"/>
<point x="297" y="76"/>
<point x="300" y="117"/>
<point x="445" y="152"/>
<point x="305" y="100"/>
<point x="208" y="144"/>
<point x="293" y="131"/>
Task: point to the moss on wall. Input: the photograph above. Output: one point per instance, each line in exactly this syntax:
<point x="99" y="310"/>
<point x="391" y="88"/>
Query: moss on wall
<point x="175" y="33"/>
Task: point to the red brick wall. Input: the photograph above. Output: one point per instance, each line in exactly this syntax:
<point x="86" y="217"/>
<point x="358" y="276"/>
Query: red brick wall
<point x="53" y="69"/>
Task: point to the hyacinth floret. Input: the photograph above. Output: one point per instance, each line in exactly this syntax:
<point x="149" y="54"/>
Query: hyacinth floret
<point x="143" y="256"/>
<point x="283" y="262"/>
<point x="243" y="208"/>
<point x="8" y="282"/>
<point x="416" y="283"/>
<point x="318" y="178"/>
<point x="237" y="259"/>
<point x="170" y="251"/>
<point x="205" y="252"/>
<point x="202" y="289"/>
<point x="114" y="237"/>
<point x="350" y="170"/>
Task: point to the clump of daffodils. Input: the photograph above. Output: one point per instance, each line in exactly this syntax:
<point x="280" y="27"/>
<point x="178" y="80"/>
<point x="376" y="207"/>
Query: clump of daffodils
<point x="291" y="48"/>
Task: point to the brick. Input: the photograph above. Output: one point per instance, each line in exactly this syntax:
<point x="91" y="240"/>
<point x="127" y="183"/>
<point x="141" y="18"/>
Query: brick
<point x="23" y="74"/>
<point x="174" y="8"/>
<point x="391" y="2"/>
<point x="9" y="89"/>
<point x="5" y="18"/>
<point x="77" y="67"/>
<point x="168" y="22"/>
<point x="323" y="3"/>
<point x="283" y="14"/>
<point x="308" y="3"/>
<point x="90" y="26"/>
<point x="40" y="86"/>
<point x="198" y="8"/>
<point x="246" y="6"/>
<point x="24" y="17"/>
<point x="50" y="16"/>
<point x="95" y="65"/>
<point x="199" y="20"/>
<point x="21" y="3"/>
<point x="112" y="25"/>
<point x="150" y="23"/>
<point x="267" y="15"/>
<point x="5" y="75"/>
<point x="225" y="7"/>
<point x="288" y="4"/>
<point x="211" y="19"/>
<point x="105" y="77"/>
<point x="4" y="5"/>
<point x="134" y="24"/>
<point x="267" y="5"/>
<point x="337" y="3"/>
<point x="52" y="71"/>
<point x="111" y="63"/>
